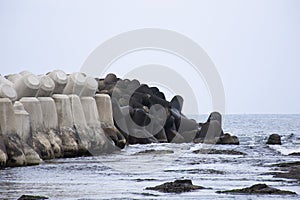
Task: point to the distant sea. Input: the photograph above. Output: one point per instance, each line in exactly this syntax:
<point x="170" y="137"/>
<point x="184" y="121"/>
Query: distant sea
<point x="126" y="174"/>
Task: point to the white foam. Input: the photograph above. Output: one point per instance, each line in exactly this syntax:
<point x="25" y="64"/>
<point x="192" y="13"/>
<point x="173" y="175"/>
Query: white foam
<point x="284" y="150"/>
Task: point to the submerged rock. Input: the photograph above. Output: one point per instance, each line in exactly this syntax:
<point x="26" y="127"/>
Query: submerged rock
<point x="291" y="170"/>
<point x="216" y="151"/>
<point x="228" y="139"/>
<point x="259" y="189"/>
<point x="153" y="151"/>
<point x="178" y="186"/>
<point x="31" y="197"/>
<point x="274" y="139"/>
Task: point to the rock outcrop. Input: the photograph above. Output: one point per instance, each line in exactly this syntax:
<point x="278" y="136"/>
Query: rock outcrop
<point x="274" y="139"/>
<point x="178" y="186"/>
<point x="259" y="189"/>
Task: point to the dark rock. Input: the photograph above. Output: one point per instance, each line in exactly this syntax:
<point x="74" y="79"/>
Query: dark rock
<point x="295" y="154"/>
<point x="177" y="102"/>
<point x="3" y="155"/>
<point x="196" y="171"/>
<point x="178" y="186"/>
<point x="14" y="150"/>
<point x="153" y="151"/>
<point x="259" y="189"/>
<point x="110" y="78"/>
<point x="216" y="151"/>
<point x="291" y="170"/>
<point x="228" y="139"/>
<point x="274" y="139"/>
<point x="31" y="197"/>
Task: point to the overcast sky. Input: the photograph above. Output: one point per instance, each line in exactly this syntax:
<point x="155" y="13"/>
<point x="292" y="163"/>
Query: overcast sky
<point x="254" y="44"/>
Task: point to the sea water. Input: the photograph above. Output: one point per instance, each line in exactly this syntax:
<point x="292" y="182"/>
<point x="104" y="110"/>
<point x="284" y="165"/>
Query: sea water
<point x="126" y="174"/>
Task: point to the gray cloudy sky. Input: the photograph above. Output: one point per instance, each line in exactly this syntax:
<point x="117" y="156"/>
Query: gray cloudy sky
<point x="254" y="44"/>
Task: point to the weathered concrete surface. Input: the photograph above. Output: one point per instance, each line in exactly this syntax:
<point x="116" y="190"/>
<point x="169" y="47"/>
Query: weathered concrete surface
<point x="27" y="86"/>
<point x="65" y="124"/>
<point x="13" y="77"/>
<point x="75" y="84"/>
<point x="3" y="154"/>
<point x="40" y="140"/>
<point x="47" y="86"/>
<point x="13" y="146"/>
<point x="100" y="143"/>
<point x="6" y="89"/>
<point x="60" y="80"/>
<point x="50" y="124"/>
<point x="23" y="122"/>
<point x="82" y="131"/>
<point x="90" y="87"/>
<point x="104" y="108"/>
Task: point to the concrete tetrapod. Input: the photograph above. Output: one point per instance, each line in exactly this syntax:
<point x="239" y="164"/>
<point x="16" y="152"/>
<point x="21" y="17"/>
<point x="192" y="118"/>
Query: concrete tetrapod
<point x="65" y="124"/>
<point x="99" y="143"/>
<point x="6" y="89"/>
<point x="40" y="140"/>
<point x="60" y="80"/>
<point x="50" y="124"/>
<point x="104" y="108"/>
<point x="46" y="88"/>
<point x="9" y="137"/>
<point x="75" y="84"/>
<point x="27" y="86"/>
<point x="82" y="131"/>
<point x="23" y="131"/>
<point x="90" y="87"/>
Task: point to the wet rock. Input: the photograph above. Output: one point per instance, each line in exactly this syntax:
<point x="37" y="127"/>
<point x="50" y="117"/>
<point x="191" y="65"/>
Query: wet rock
<point x="14" y="151"/>
<point x="290" y="170"/>
<point x="178" y="186"/>
<point x="32" y="157"/>
<point x="3" y="155"/>
<point x="31" y="197"/>
<point x="295" y="154"/>
<point x="216" y="151"/>
<point x="274" y="139"/>
<point x="228" y="139"/>
<point x="153" y="151"/>
<point x="196" y="171"/>
<point x="259" y="189"/>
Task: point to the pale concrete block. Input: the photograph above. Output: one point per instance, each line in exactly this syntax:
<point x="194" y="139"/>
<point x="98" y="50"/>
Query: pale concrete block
<point x="23" y="122"/>
<point x="27" y="86"/>
<point x="49" y="113"/>
<point x="46" y="88"/>
<point x="104" y="108"/>
<point x="13" y="77"/>
<point x="7" y="91"/>
<point x="7" y="117"/>
<point x="75" y="84"/>
<point x="33" y="107"/>
<point x="60" y="80"/>
<point x="63" y="109"/>
<point x="90" y="87"/>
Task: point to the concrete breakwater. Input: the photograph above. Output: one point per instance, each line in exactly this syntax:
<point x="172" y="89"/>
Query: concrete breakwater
<point x="68" y="115"/>
<point x="53" y="116"/>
